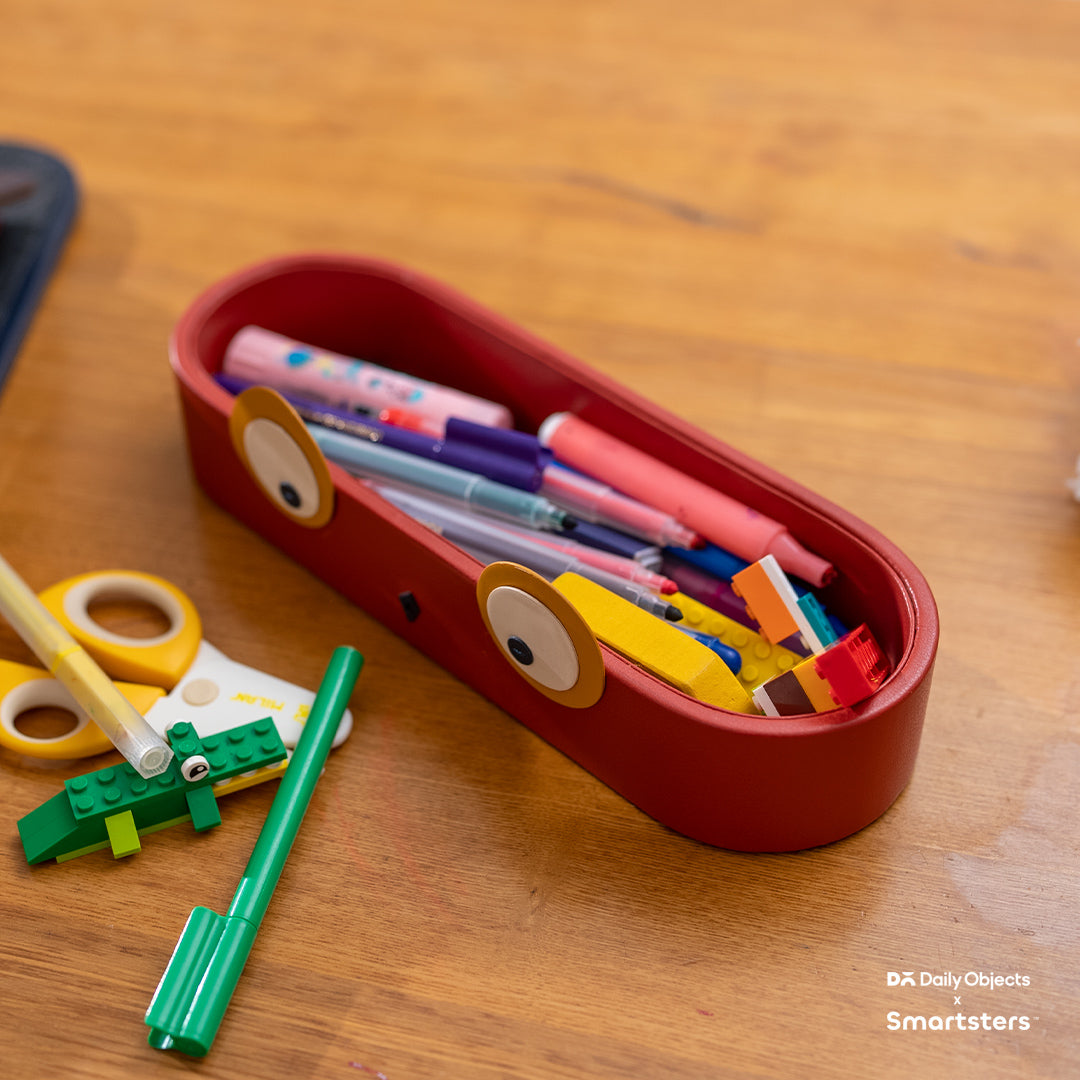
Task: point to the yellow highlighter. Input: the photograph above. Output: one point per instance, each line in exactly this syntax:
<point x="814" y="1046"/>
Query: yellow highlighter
<point x="94" y="691"/>
<point x="656" y="645"/>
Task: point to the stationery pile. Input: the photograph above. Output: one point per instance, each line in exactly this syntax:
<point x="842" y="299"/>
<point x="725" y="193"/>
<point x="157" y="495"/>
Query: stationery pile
<point x="572" y="499"/>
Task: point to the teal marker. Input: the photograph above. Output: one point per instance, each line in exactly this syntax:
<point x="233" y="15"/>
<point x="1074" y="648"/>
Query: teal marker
<point x="469" y="489"/>
<point x="191" y="999"/>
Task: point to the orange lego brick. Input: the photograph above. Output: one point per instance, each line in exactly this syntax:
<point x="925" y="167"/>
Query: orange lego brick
<point x="764" y="604"/>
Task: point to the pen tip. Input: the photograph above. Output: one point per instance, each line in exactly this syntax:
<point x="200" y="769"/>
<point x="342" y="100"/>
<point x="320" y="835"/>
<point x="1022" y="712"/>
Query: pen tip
<point x="568" y="523"/>
<point x="673" y="614"/>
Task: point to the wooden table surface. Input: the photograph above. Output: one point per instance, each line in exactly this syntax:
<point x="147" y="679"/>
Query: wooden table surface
<point x="843" y="237"/>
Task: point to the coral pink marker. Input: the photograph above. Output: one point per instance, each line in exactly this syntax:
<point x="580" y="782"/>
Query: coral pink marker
<point x="718" y="517"/>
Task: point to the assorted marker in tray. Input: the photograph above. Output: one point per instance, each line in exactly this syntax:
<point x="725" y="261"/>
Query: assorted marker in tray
<point x="620" y="533"/>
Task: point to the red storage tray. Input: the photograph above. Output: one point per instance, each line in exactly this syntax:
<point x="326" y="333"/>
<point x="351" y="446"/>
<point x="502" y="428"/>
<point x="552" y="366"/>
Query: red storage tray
<point x="749" y="783"/>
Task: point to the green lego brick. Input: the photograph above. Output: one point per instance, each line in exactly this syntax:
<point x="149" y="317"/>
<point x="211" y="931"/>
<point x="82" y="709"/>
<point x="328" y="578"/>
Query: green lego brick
<point x="118" y="788"/>
<point x="238" y="750"/>
<point x="76" y="820"/>
<point x="162" y="825"/>
<point x="50" y="830"/>
<point x="123" y="836"/>
<point x="68" y="856"/>
<point x="203" y="809"/>
<point x="91" y="848"/>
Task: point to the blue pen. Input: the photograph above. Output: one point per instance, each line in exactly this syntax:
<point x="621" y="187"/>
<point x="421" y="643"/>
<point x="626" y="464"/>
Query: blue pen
<point x="467" y="488"/>
<point x="714" y="560"/>
<point x="730" y="656"/>
<point x="459" y="448"/>
<point x="618" y="543"/>
<point x="724" y="565"/>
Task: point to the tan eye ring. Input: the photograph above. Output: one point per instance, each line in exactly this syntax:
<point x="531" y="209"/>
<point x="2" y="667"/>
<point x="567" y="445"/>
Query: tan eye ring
<point x="541" y="635"/>
<point x="281" y="456"/>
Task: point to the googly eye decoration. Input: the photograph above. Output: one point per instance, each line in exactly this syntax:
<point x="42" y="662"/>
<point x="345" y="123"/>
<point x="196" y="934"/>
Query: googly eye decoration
<point x="541" y="634"/>
<point x="281" y="456"/>
<point x="194" y="768"/>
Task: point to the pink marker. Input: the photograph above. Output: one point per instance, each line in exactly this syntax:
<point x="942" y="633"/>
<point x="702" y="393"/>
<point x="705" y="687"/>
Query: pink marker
<point x="718" y="517"/>
<point x="590" y="500"/>
<point x="264" y="357"/>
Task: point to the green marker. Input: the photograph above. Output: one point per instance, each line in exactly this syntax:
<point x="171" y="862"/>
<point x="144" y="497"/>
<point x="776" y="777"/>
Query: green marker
<point x="195" y="990"/>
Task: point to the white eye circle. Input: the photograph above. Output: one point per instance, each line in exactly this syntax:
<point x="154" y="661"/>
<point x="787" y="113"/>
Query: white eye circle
<point x="281" y="468"/>
<point x="532" y="637"/>
<point x="541" y="634"/>
<point x="194" y="768"/>
<point x="281" y="456"/>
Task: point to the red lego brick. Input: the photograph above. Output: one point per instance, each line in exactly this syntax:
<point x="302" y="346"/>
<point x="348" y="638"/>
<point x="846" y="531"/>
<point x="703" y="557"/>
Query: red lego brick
<point x="854" y="666"/>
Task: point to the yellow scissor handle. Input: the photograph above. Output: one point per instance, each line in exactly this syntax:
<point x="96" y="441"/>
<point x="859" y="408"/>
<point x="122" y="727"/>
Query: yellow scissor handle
<point x="160" y="660"/>
<point x="23" y="688"/>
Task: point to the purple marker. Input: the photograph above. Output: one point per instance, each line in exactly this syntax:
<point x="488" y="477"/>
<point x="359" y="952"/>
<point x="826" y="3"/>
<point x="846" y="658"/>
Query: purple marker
<point x="702" y="586"/>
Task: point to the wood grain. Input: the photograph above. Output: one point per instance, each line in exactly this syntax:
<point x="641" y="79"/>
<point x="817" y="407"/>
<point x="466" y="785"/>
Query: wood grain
<point x="842" y="237"/>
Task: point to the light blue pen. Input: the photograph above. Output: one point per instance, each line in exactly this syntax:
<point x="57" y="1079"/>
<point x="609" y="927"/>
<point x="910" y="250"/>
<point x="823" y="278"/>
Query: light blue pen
<point x="469" y="489"/>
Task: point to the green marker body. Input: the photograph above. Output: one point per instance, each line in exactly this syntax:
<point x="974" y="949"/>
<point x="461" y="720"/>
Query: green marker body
<point x="198" y="983"/>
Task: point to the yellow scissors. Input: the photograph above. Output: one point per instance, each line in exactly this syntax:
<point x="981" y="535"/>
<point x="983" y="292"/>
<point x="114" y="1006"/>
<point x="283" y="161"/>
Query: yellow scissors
<point x="176" y="675"/>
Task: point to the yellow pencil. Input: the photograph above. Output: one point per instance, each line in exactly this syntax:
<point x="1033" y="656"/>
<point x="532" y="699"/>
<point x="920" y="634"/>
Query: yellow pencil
<point x="69" y="662"/>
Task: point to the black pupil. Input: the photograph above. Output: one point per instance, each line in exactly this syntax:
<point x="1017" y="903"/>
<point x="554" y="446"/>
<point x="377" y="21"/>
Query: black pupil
<point x="290" y="495"/>
<point x="519" y="650"/>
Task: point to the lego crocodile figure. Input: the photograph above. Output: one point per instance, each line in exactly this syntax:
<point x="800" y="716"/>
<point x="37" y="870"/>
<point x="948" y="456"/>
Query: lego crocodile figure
<point x="113" y="807"/>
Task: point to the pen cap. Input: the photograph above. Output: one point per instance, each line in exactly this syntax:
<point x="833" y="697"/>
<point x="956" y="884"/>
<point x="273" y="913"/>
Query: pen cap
<point x="503" y="454"/>
<point x="550" y="426"/>
<point x="198" y="984"/>
<point x="508" y="442"/>
<point x="99" y="698"/>
<point x="515" y="473"/>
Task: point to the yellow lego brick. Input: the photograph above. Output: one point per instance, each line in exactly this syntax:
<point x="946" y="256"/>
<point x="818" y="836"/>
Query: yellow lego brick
<point x="249" y="779"/>
<point x="761" y="659"/>
<point x="654" y="644"/>
<point x="814" y="686"/>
